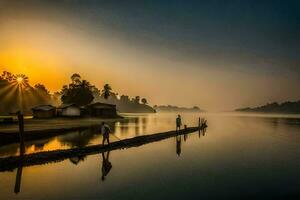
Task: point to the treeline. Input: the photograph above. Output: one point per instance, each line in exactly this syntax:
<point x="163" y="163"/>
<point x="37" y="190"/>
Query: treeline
<point x="81" y="92"/>
<point x="17" y="94"/>
<point x="288" y="107"/>
<point x="170" y="108"/>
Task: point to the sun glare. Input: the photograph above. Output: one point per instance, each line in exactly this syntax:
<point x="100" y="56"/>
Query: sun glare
<point x="20" y="80"/>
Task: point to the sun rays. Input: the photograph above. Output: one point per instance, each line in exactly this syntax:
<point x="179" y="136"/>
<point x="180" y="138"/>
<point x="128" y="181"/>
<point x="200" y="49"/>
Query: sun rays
<point x="21" y="80"/>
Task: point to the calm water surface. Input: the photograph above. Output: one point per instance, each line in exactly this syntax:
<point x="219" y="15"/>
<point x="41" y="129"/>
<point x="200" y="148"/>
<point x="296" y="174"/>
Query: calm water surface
<point x="238" y="156"/>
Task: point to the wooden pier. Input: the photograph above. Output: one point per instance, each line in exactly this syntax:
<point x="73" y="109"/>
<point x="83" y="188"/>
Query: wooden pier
<point x="13" y="162"/>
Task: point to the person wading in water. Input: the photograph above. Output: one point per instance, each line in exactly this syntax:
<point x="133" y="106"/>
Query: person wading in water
<point x="105" y="130"/>
<point x="178" y="122"/>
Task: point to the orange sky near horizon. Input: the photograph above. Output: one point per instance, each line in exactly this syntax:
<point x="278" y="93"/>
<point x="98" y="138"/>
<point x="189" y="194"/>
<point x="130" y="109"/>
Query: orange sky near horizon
<point x="49" y="52"/>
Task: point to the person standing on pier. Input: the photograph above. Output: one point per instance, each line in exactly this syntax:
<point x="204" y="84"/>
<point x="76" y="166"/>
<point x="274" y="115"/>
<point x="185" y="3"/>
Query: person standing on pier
<point x="105" y="130"/>
<point x="178" y="122"/>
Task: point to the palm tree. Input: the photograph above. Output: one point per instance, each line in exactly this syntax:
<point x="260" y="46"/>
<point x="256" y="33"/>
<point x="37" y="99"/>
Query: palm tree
<point x="76" y="79"/>
<point x="137" y="99"/>
<point x="144" y="101"/>
<point x="7" y="76"/>
<point x="85" y="84"/>
<point x="106" y="91"/>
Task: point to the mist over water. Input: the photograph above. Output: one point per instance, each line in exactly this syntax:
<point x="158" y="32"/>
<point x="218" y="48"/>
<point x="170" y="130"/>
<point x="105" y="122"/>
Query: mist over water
<point x="238" y="156"/>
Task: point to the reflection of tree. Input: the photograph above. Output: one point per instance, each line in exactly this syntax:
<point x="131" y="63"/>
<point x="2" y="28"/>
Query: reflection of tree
<point x="79" y="138"/>
<point x="39" y="147"/>
<point x="84" y="137"/>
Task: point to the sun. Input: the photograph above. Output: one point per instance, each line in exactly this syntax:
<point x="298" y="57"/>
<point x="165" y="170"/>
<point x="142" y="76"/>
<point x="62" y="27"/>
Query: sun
<point x="20" y="80"/>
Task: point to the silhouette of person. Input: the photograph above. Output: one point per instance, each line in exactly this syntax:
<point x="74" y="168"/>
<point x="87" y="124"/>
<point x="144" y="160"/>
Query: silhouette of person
<point x="178" y="145"/>
<point x="106" y="165"/>
<point x="178" y="122"/>
<point x="105" y="130"/>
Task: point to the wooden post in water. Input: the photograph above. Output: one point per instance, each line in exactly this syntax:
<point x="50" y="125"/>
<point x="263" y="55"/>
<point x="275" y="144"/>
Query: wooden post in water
<point x="18" y="180"/>
<point x="21" y="133"/>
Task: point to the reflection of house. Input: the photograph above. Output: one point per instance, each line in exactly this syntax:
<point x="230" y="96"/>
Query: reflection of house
<point x="68" y="110"/>
<point x="77" y="159"/>
<point x="101" y="110"/>
<point x="44" y="111"/>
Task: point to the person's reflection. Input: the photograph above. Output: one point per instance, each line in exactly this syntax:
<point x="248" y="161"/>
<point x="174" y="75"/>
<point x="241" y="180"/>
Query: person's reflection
<point x="185" y="136"/>
<point x="204" y="131"/>
<point x="106" y="165"/>
<point x="178" y="145"/>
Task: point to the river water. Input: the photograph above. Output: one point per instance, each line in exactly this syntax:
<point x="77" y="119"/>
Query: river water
<point x="239" y="155"/>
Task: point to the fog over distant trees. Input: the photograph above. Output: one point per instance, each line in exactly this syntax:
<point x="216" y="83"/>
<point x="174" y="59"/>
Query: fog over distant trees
<point x="288" y="107"/>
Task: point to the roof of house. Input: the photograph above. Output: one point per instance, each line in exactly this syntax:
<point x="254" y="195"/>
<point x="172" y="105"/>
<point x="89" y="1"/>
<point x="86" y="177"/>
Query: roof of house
<point x="68" y="105"/>
<point x="101" y="105"/>
<point x="43" y="108"/>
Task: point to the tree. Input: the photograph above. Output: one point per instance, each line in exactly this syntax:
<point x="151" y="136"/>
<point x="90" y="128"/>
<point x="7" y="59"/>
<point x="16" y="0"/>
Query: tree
<point x="78" y="92"/>
<point x="144" y="101"/>
<point x="41" y="95"/>
<point x="40" y="88"/>
<point x="76" y="79"/>
<point x="96" y="92"/>
<point x="124" y="99"/>
<point x="106" y="91"/>
<point x="7" y="76"/>
<point x="137" y="99"/>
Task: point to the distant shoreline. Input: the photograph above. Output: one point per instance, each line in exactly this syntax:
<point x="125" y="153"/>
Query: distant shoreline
<point x="172" y="109"/>
<point x="279" y="108"/>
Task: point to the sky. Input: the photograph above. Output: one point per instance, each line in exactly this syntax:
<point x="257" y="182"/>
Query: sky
<point x="218" y="55"/>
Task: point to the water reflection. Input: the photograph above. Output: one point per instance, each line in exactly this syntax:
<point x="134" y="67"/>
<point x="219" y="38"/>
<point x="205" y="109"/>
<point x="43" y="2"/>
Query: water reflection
<point x="178" y="145"/>
<point x="203" y="131"/>
<point x="246" y="154"/>
<point x="75" y="160"/>
<point x="18" y="179"/>
<point x="185" y="138"/>
<point x="130" y="126"/>
<point x="106" y="165"/>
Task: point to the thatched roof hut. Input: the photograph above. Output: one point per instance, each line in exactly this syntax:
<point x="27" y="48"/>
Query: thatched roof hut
<point x="101" y="110"/>
<point x="44" y="111"/>
<point x="69" y="110"/>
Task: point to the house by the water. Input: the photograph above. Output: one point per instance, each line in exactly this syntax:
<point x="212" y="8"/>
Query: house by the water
<point x="44" y="111"/>
<point x="101" y="110"/>
<point x="69" y="110"/>
<point x="72" y="110"/>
